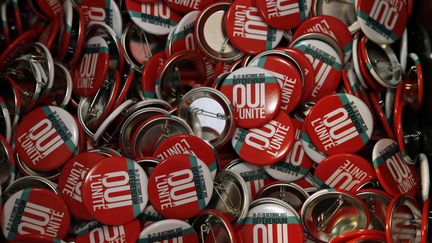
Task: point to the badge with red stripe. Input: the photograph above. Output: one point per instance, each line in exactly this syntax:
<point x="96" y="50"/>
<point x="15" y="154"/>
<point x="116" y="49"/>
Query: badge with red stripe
<point x="114" y="190"/>
<point x="180" y="186"/>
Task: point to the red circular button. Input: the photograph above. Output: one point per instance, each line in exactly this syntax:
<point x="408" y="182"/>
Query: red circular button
<point x="35" y="211"/>
<point x="394" y="175"/>
<point x="344" y="172"/>
<point x="339" y="123"/>
<point x="255" y="94"/>
<point x="247" y="31"/>
<point x="180" y="186"/>
<point x="70" y="181"/>
<point x="90" y="74"/>
<point x="46" y="138"/>
<point x="112" y="233"/>
<point x="114" y="190"/>
<point x="266" y="144"/>
<point x="382" y="21"/>
<point x="188" y="144"/>
<point x="282" y="14"/>
<point x="287" y="75"/>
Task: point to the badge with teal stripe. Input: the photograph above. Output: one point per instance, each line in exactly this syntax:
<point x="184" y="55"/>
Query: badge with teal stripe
<point x="318" y="54"/>
<point x="377" y="26"/>
<point x="134" y="185"/>
<point x="167" y="235"/>
<point x="272" y="220"/>
<point x="199" y="184"/>
<point x="60" y="127"/>
<point x="144" y="16"/>
<point x="348" y="105"/>
<point x="16" y="218"/>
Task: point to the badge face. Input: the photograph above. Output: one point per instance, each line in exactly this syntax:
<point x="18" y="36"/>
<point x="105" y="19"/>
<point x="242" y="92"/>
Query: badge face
<point x="393" y="173"/>
<point x="154" y="18"/>
<point x="344" y="172"/>
<point x="47" y="138"/>
<point x="92" y="71"/>
<point x="270" y="221"/>
<point x="188" y="144"/>
<point x="106" y="12"/>
<point x="327" y="65"/>
<point x="255" y="94"/>
<point x="170" y="230"/>
<point x="284" y="15"/>
<point x="266" y="144"/>
<point x="71" y="179"/>
<point x="114" y="190"/>
<point x="330" y="26"/>
<point x="339" y="123"/>
<point x="288" y="76"/>
<point x="112" y="233"/>
<point x="247" y="31"/>
<point x="35" y="211"/>
<point x="180" y="186"/>
<point x="296" y="164"/>
<point x="382" y="21"/>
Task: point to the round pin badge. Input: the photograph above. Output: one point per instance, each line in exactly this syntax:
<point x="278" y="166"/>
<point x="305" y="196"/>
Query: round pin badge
<point x="231" y="196"/>
<point x="214" y="226"/>
<point x="255" y="94"/>
<point x="267" y="144"/>
<point x="127" y="232"/>
<point x="339" y="123"/>
<point x="90" y="74"/>
<point x="46" y="138"/>
<point x="180" y="186"/>
<point x="325" y="213"/>
<point x="106" y="12"/>
<point x="284" y="15"/>
<point x="274" y="219"/>
<point x="344" y="172"/>
<point x="287" y="74"/>
<point x="247" y="31"/>
<point x="296" y="164"/>
<point x="188" y="144"/>
<point x="155" y="18"/>
<point x="171" y="230"/>
<point x="330" y="26"/>
<point x="210" y="35"/>
<point x="114" y="190"/>
<point x="404" y="220"/>
<point x="70" y="181"/>
<point x="327" y="62"/>
<point x="377" y="202"/>
<point x="382" y="21"/>
<point x="35" y="211"/>
<point x="393" y="173"/>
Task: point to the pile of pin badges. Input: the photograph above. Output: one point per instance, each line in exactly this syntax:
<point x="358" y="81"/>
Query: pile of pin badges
<point x="211" y="121"/>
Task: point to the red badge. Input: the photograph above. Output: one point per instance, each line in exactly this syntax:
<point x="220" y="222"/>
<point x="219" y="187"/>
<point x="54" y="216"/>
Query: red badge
<point x="247" y="31"/>
<point x="284" y="15"/>
<point x="255" y="94"/>
<point x="394" y="175"/>
<point x="339" y="123"/>
<point x="382" y="21"/>
<point x="287" y="75"/>
<point x="296" y="163"/>
<point x="327" y="65"/>
<point x="46" y="138"/>
<point x="71" y="179"/>
<point x="266" y="144"/>
<point x="112" y="233"/>
<point x="344" y="172"/>
<point x="106" y="12"/>
<point x="180" y="186"/>
<point x="330" y="26"/>
<point x="271" y="222"/>
<point x="154" y="18"/>
<point x="35" y="211"/>
<point x="114" y="190"/>
<point x="150" y="74"/>
<point x="170" y="230"/>
<point x="188" y="144"/>
<point x="90" y="74"/>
